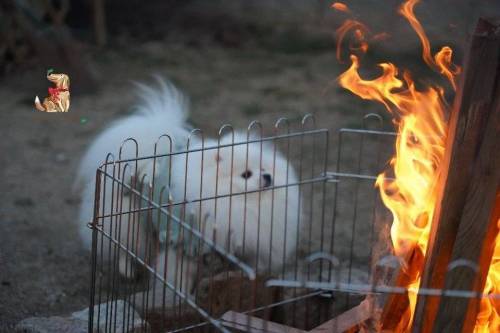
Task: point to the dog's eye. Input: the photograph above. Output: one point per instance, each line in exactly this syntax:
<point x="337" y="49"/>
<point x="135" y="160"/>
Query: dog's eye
<point x="247" y="174"/>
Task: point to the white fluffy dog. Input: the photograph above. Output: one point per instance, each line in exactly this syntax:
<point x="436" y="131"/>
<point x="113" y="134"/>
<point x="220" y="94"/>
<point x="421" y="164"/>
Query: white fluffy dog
<point x="237" y="192"/>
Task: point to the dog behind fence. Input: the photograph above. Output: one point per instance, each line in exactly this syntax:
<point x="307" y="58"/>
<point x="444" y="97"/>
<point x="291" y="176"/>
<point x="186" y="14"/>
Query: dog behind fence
<point x="258" y="231"/>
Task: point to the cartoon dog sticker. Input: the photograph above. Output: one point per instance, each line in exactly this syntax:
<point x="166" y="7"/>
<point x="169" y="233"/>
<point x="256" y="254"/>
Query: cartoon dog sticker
<point x="58" y="99"/>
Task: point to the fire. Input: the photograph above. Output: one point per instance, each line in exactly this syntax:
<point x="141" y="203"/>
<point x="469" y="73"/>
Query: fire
<point x="445" y="66"/>
<point x="488" y="319"/>
<point x="342" y="7"/>
<point x="359" y="29"/>
<point x="419" y="148"/>
<point x="442" y="60"/>
<point x="409" y="191"/>
<point x="410" y="195"/>
<point x="407" y="10"/>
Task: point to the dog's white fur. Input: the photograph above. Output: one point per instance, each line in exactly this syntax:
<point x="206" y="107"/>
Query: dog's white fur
<point x="252" y="220"/>
<point x="249" y="217"/>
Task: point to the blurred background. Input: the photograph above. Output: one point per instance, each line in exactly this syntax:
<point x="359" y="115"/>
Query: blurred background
<point x="237" y="61"/>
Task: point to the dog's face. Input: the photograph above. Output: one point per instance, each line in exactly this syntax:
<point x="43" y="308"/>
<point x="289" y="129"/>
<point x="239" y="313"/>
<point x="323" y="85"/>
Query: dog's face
<point x="60" y="80"/>
<point x="251" y="167"/>
<point x="250" y="170"/>
<point x="231" y="169"/>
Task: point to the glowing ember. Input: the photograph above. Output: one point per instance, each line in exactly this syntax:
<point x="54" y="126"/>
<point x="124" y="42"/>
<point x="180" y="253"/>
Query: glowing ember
<point x="411" y="193"/>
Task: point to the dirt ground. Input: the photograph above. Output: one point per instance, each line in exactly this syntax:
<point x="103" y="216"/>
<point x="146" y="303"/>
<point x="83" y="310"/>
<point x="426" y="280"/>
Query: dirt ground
<point x="43" y="268"/>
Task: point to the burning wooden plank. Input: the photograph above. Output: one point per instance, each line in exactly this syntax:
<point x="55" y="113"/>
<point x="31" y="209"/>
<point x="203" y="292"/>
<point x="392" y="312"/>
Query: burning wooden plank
<point x="458" y="314"/>
<point x="475" y="240"/>
<point x="464" y="171"/>
<point x="396" y="307"/>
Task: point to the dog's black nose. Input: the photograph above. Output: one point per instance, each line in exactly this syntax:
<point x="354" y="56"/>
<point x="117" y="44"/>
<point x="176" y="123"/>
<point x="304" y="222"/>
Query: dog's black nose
<point x="268" y="180"/>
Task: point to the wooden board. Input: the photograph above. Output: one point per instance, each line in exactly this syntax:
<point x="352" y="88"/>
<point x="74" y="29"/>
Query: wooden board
<point x="469" y="118"/>
<point x="395" y="306"/>
<point x="476" y="234"/>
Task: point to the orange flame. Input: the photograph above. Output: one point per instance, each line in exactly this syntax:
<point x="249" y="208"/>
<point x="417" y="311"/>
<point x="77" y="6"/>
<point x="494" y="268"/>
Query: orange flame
<point x="488" y="319"/>
<point x="442" y="60"/>
<point x="340" y="7"/>
<point x="408" y="11"/>
<point x="446" y="67"/>
<point x="411" y="195"/>
<point x="360" y="31"/>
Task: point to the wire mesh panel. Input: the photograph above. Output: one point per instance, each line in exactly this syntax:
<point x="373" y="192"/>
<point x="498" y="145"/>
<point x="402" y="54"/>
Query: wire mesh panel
<point x="185" y="235"/>
<point x="259" y="230"/>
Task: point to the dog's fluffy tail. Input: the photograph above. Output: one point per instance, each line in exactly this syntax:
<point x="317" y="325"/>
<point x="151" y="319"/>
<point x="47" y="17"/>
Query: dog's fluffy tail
<point x="161" y="110"/>
<point x="165" y="102"/>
